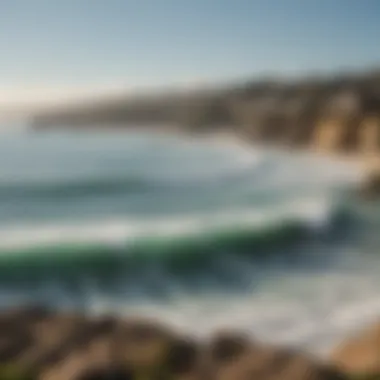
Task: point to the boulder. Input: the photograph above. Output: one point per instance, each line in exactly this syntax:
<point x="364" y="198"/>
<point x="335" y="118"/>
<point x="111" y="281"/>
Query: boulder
<point x="183" y="358"/>
<point x="370" y="189"/>
<point x="268" y="363"/>
<point x="142" y="343"/>
<point x="226" y="346"/>
<point x="360" y="354"/>
<point x="16" y="327"/>
<point x="105" y="373"/>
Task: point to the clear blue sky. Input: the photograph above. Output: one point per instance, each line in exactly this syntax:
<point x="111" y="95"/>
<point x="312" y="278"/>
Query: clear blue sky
<point x="84" y="42"/>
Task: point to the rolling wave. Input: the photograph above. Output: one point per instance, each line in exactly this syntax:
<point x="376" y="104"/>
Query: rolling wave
<point x="186" y="245"/>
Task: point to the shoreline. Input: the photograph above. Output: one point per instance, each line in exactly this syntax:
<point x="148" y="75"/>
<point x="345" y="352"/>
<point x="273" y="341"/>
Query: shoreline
<point x="61" y="343"/>
<point x="223" y="135"/>
<point x="366" y="164"/>
<point x="42" y="344"/>
<point x="228" y="139"/>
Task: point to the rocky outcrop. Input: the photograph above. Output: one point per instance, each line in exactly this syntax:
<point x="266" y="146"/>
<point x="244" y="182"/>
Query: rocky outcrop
<point x="370" y="135"/>
<point x="359" y="356"/>
<point x="370" y="189"/>
<point x="57" y="346"/>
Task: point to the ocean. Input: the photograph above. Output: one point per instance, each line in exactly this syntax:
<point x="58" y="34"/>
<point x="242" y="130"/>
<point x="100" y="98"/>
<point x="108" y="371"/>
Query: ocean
<point x="199" y="233"/>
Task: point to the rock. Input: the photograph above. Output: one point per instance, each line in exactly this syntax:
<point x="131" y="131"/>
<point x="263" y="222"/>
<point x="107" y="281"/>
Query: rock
<point x="12" y="347"/>
<point x="301" y="367"/>
<point x="53" y="339"/>
<point x="226" y="346"/>
<point x="183" y="357"/>
<point x="16" y="330"/>
<point x="105" y="373"/>
<point x="64" y="346"/>
<point x="359" y="355"/>
<point x="269" y="364"/>
<point x="142" y="344"/>
<point x="21" y="318"/>
<point x="371" y="187"/>
<point x="73" y="366"/>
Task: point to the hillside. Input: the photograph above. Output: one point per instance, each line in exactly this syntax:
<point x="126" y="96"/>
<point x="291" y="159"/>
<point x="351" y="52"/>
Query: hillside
<point x="341" y="113"/>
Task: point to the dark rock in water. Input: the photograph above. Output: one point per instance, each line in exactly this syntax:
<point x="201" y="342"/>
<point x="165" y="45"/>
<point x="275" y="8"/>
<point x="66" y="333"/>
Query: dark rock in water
<point x="183" y="357"/>
<point x="234" y="357"/>
<point x="359" y="355"/>
<point x="371" y="187"/>
<point x="226" y="346"/>
<point x="304" y="368"/>
<point x="141" y="332"/>
<point x="23" y="316"/>
<point x="270" y="364"/>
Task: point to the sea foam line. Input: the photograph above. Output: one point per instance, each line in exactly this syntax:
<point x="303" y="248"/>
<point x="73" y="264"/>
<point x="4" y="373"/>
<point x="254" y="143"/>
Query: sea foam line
<point x="314" y="213"/>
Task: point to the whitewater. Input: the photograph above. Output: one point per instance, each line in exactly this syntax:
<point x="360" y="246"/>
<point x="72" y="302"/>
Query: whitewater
<point x="199" y="233"/>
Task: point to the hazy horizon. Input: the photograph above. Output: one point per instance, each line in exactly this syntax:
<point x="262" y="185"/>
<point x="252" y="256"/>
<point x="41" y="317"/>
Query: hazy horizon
<point x="61" y="51"/>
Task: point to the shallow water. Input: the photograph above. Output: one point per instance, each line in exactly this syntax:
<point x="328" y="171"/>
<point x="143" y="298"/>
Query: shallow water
<point x="197" y="233"/>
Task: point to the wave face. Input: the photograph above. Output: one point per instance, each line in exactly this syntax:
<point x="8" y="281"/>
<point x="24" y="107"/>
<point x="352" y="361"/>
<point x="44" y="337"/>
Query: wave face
<point x="175" y="227"/>
<point x="147" y="198"/>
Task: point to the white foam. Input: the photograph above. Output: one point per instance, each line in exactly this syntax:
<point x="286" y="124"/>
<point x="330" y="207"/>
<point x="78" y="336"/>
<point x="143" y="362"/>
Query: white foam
<point x="314" y="212"/>
<point x="314" y="318"/>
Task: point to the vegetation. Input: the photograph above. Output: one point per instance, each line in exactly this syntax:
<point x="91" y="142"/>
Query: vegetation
<point x="15" y="372"/>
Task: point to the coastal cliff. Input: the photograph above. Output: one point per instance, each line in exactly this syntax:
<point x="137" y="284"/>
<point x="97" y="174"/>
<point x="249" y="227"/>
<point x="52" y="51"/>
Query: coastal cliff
<point x="340" y="113"/>
<point x="336" y="115"/>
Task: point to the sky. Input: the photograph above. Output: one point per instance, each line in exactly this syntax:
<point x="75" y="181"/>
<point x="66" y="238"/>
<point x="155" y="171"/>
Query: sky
<point x="54" y="50"/>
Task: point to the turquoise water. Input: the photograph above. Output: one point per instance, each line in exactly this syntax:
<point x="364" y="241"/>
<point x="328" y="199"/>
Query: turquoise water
<point x="197" y="232"/>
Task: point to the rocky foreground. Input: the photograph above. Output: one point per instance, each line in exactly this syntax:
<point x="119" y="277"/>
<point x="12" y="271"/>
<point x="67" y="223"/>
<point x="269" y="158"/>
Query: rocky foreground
<point x="36" y="343"/>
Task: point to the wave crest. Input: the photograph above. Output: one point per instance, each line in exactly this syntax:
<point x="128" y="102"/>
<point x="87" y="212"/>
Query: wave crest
<point x="189" y="244"/>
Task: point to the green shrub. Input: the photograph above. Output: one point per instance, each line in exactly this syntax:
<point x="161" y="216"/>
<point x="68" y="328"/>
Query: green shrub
<point x="12" y="372"/>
